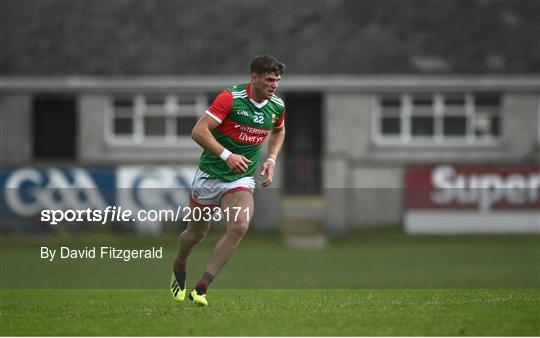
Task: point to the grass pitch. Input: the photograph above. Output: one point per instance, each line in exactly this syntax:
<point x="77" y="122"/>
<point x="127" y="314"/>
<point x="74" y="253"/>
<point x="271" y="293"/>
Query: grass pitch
<point x="371" y="283"/>
<point x="272" y="312"/>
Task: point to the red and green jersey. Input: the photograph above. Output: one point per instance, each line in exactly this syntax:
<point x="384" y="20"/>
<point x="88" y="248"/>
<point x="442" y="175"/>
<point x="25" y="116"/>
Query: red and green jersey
<point x="243" y="126"/>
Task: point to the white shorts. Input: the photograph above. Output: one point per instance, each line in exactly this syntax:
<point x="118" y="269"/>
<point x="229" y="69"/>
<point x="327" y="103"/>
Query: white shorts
<point x="207" y="191"/>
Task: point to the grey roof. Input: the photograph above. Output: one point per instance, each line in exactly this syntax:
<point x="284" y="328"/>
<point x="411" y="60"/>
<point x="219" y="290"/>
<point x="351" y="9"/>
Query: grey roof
<point x="122" y="37"/>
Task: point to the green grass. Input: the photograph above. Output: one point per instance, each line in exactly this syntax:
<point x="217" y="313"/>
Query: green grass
<point x="272" y="312"/>
<point x="378" y="259"/>
<point x="369" y="283"/>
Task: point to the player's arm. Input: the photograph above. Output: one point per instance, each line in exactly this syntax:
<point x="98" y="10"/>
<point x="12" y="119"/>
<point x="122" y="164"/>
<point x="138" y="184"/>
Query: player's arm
<point x="275" y="142"/>
<point x="202" y="134"/>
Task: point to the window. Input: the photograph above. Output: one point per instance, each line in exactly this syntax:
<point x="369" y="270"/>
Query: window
<point x="153" y="118"/>
<point x="154" y="111"/>
<point x="455" y="116"/>
<point x="486" y="115"/>
<point x="391" y="116"/>
<point x="422" y="117"/>
<point x="438" y="118"/>
<point x="123" y="117"/>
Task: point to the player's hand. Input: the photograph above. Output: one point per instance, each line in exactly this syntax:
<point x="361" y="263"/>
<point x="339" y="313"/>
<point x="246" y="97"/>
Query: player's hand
<point x="268" y="169"/>
<point x="237" y="163"/>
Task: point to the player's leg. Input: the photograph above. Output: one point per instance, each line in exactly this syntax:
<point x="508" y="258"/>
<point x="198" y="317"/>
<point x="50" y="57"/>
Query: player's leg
<point x="193" y="234"/>
<point x="237" y="225"/>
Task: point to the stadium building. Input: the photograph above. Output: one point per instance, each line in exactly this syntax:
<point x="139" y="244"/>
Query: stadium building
<point x="373" y="93"/>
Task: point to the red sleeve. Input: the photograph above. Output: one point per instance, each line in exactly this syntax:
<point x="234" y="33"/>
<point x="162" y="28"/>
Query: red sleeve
<point x="221" y="107"/>
<point x="281" y="120"/>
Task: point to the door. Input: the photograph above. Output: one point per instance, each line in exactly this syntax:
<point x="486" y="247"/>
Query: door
<point x="54" y="128"/>
<point x="303" y="144"/>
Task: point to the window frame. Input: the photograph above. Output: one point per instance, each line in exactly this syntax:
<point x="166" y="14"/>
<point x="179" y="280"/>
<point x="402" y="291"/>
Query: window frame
<point x="399" y="116"/>
<point x="405" y="138"/>
<point x="468" y="112"/>
<point x="434" y="115"/>
<point x="171" y="110"/>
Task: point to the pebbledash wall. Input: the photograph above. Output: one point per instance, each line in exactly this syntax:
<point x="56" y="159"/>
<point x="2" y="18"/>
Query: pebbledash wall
<point x="366" y="120"/>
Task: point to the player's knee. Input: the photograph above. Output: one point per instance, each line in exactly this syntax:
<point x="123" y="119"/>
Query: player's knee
<point x="238" y="228"/>
<point x="194" y="236"/>
<point x="198" y="236"/>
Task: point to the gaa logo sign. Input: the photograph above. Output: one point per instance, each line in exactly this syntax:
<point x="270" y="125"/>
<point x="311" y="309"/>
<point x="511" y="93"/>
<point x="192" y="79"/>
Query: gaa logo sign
<point x="29" y="190"/>
<point x="153" y="187"/>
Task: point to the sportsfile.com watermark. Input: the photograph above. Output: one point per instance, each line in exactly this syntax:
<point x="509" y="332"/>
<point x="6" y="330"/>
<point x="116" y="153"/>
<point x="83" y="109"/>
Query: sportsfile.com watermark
<point x="121" y="214"/>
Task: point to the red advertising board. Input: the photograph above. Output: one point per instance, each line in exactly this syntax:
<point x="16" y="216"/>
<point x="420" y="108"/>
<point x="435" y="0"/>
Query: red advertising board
<point x="448" y="199"/>
<point x="447" y="187"/>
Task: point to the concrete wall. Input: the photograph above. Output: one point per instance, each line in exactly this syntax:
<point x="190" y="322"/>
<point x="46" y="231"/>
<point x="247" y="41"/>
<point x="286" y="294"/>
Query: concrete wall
<point x="521" y="139"/>
<point x="363" y="180"/>
<point x="15" y="129"/>
<point x="91" y="109"/>
<point x="376" y="199"/>
<point x="356" y="193"/>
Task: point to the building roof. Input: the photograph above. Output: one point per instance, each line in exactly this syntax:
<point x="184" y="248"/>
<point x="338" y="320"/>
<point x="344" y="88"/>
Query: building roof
<point x="125" y="37"/>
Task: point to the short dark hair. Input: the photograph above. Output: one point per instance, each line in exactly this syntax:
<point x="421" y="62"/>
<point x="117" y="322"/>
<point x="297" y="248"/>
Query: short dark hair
<point x="266" y="63"/>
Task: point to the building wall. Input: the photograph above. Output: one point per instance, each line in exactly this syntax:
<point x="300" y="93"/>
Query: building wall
<point x="91" y="110"/>
<point x="521" y="135"/>
<point x="363" y="180"/>
<point x="15" y="129"/>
